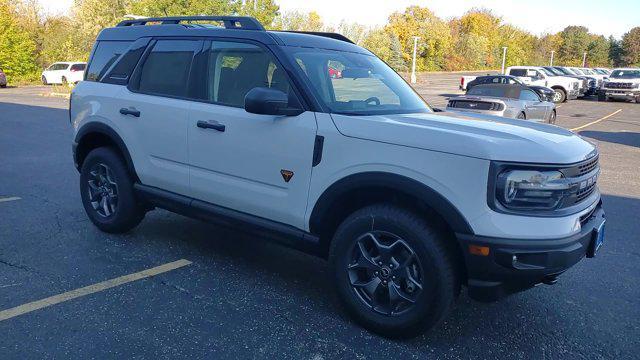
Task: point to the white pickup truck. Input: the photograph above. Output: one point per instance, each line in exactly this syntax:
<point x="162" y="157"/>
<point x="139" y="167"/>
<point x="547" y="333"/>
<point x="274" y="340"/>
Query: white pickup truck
<point x="565" y="88"/>
<point x="622" y="84"/>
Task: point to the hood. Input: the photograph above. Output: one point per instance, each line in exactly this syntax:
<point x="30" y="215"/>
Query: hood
<point x="481" y="136"/>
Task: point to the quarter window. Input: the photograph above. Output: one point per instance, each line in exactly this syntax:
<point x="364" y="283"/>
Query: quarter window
<point x="104" y="55"/>
<point x="166" y="69"/>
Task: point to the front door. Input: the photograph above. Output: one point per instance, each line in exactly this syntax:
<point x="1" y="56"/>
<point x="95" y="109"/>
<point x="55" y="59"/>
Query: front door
<point x="256" y="164"/>
<point x="535" y="108"/>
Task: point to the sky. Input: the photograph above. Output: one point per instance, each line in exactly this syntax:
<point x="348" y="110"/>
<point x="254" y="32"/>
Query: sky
<point x="540" y="16"/>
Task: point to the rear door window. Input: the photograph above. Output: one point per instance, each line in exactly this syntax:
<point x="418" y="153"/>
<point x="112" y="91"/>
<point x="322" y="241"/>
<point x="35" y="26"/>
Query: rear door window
<point x="529" y="95"/>
<point x="166" y="70"/>
<point x="78" y="67"/>
<point x="104" y="55"/>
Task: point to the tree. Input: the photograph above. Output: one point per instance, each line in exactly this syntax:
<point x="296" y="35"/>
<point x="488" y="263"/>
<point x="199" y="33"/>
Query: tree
<point x="91" y="16"/>
<point x="598" y="51"/>
<point x="615" y="51"/>
<point x="265" y="11"/>
<point x="631" y="47"/>
<point x="297" y="21"/>
<point x="435" y="36"/>
<point x="155" y="8"/>
<point x="386" y="45"/>
<point x="575" y="41"/>
<point x="17" y="49"/>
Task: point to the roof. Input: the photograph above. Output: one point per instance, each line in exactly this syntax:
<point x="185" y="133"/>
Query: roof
<point x="234" y="27"/>
<point x="511" y="91"/>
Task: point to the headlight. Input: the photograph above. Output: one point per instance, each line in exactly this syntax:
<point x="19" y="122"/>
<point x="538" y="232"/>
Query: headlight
<point x="635" y="86"/>
<point x="531" y="189"/>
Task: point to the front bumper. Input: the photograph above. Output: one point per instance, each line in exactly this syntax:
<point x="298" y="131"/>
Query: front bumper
<point x="628" y="94"/>
<point x="515" y="265"/>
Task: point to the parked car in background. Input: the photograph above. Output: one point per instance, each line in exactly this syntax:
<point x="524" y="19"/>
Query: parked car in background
<point x="623" y="84"/>
<point x="493" y="79"/>
<point x="566" y="88"/>
<point x="335" y="73"/>
<point x="583" y="81"/>
<point x="603" y="71"/>
<point x="3" y="79"/>
<point x="512" y="101"/>
<point x="63" y="73"/>
<point x="545" y="93"/>
<point x="593" y="81"/>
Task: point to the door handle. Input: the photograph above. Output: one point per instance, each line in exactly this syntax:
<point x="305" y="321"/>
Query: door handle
<point x="132" y="112"/>
<point x="211" y="125"/>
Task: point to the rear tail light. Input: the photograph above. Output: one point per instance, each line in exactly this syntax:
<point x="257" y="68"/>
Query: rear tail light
<point x="461" y="81"/>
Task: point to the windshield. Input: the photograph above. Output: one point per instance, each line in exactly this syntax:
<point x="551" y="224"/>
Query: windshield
<point x="601" y="72"/>
<point x="625" y="74"/>
<point x="356" y="84"/>
<point x="587" y="71"/>
<point x="577" y="71"/>
<point x="563" y="70"/>
<point x="548" y="72"/>
<point x="554" y="71"/>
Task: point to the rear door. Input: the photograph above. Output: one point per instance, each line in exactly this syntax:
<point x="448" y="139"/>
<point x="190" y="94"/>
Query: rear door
<point x="256" y="164"/>
<point x="153" y="112"/>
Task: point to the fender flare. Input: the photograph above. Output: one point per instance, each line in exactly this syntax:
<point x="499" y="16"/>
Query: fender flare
<point x="104" y="130"/>
<point x="403" y="184"/>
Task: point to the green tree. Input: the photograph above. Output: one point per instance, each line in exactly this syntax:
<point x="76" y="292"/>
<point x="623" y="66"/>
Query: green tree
<point x="298" y="21"/>
<point x="631" y="47"/>
<point x="435" y="36"/>
<point x="386" y="45"/>
<point x="157" y="8"/>
<point x="575" y="41"/>
<point x="615" y="51"/>
<point x="17" y="49"/>
<point x="598" y="51"/>
<point x="265" y="11"/>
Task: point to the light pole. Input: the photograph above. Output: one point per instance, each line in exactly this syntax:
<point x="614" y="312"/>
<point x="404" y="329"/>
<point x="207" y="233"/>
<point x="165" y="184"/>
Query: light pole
<point x="413" y="66"/>
<point x="584" y="59"/>
<point x="504" y="57"/>
<point x="551" y="61"/>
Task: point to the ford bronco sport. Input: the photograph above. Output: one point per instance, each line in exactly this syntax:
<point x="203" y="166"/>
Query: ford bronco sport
<point x="246" y="128"/>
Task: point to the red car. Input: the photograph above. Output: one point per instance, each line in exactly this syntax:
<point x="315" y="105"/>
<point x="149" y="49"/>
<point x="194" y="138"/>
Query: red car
<point x="3" y="79"/>
<point x="335" y="73"/>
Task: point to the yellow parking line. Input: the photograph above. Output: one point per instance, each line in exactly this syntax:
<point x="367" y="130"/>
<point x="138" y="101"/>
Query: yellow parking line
<point x="558" y="107"/>
<point x="12" y="198"/>
<point x="597" y="121"/>
<point x="87" y="290"/>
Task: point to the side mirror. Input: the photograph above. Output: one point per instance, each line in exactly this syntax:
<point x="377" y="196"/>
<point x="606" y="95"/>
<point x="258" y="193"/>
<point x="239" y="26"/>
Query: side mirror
<point x="266" y="101"/>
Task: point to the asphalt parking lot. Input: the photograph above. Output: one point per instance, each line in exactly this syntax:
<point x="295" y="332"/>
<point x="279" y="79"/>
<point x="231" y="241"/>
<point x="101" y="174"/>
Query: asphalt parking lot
<point x="233" y="296"/>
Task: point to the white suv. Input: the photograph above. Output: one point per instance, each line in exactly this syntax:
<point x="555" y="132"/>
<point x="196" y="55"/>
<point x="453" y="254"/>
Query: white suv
<point x="247" y="128"/>
<point x="565" y="88"/>
<point x="64" y="73"/>
<point x="623" y="84"/>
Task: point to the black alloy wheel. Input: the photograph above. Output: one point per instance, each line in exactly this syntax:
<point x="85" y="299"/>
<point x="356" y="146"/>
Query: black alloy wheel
<point x="103" y="190"/>
<point x="385" y="273"/>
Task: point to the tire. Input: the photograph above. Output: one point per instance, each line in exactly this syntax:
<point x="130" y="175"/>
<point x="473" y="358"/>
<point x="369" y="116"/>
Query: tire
<point x="434" y="291"/>
<point x="522" y="116"/>
<point x="560" y="96"/>
<point x="552" y="118"/>
<point x="602" y="97"/>
<point x="3" y="86"/>
<point x="106" y="170"/>
<point x="44" y="80"/>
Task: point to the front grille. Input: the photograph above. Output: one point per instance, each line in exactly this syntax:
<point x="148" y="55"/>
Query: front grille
<point x="588" y="166"/>
<point x="583" y="178"/>
<point x="613" y="85"/>
<point x="575" y="86"/>
<point x="585" y="218"/>
<point x="475" y="105"/>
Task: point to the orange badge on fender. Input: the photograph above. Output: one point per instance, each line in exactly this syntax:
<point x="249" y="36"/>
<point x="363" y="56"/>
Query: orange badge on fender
<point x="286" y="175"/>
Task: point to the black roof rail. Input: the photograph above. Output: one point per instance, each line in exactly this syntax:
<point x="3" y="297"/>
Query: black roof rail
<point x="230" y="22"/>
<point x="334" y="36"/>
